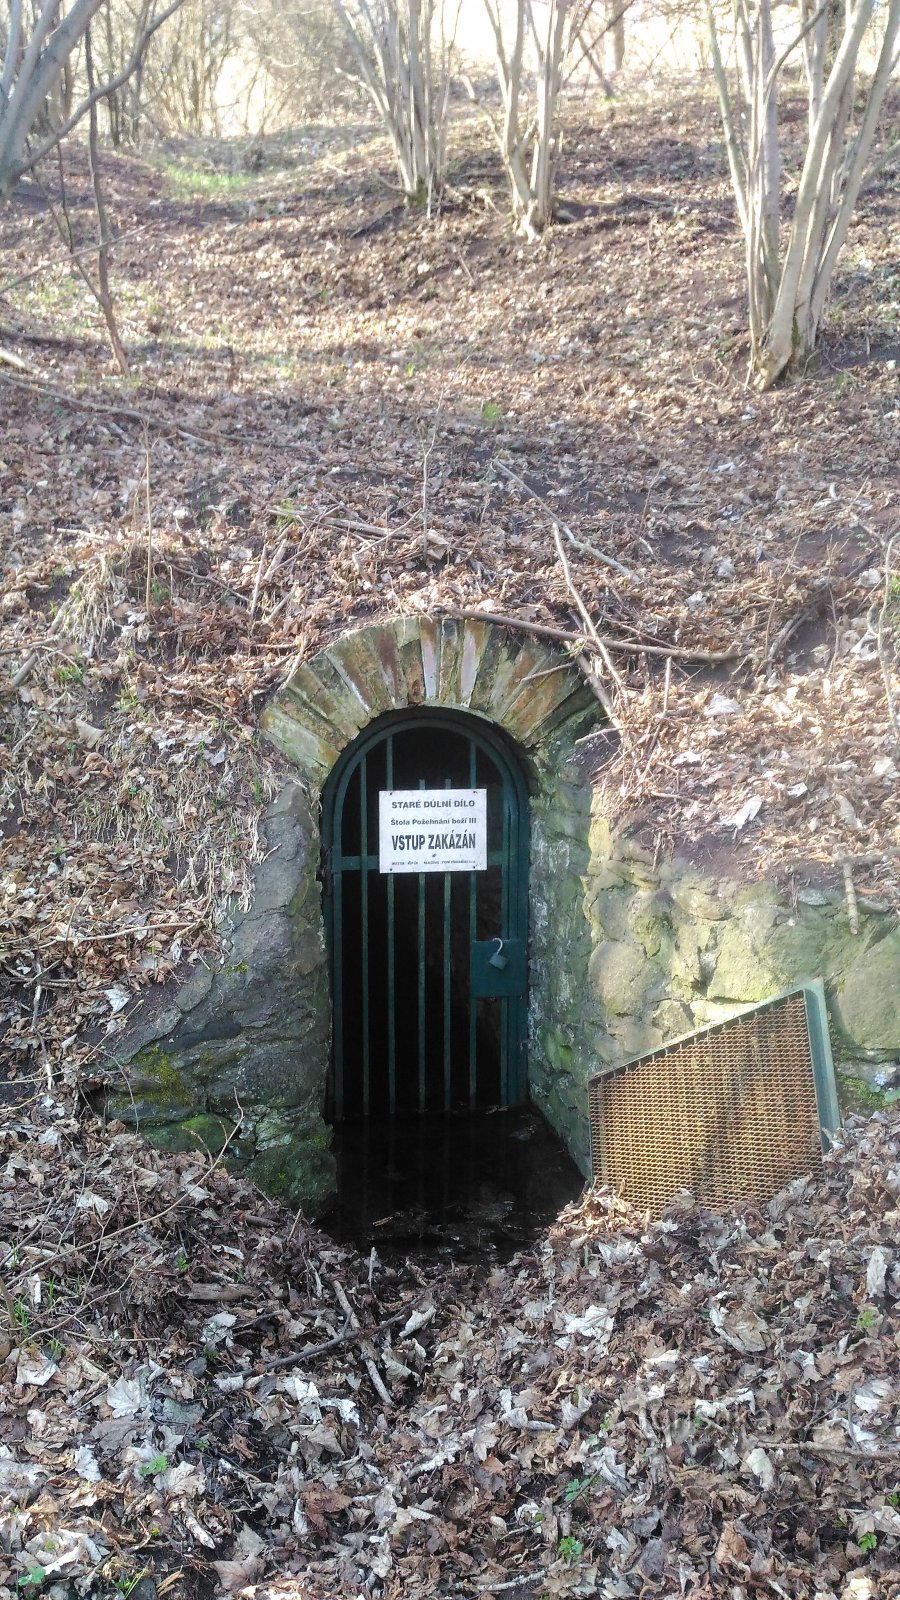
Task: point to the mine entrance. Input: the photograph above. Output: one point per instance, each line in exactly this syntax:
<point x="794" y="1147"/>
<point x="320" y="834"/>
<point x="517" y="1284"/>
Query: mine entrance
<point x="425" y="869"/>
<point x="425" y="834"/>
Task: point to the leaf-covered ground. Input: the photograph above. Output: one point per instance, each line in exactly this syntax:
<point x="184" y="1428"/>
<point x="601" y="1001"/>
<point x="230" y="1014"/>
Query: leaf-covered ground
<point x="201" y="1392"/>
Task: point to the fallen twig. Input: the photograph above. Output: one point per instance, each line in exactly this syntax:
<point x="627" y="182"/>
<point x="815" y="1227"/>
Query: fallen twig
<point x="55" y="261"/>
<point x="853" y="1451"/>
<point x="488" y="1586"/>
<point x="351" y="1330"/>
<point x="220" y="1293"/>
<point x="584" y="614"/>
<point x="259" y="572"/>
<point x="21" y="365"/>
<point x="542" y="630"/>
<point x="48" y="391"/>
<point x="889" y="598"/>
<point x="368" y="1353"/>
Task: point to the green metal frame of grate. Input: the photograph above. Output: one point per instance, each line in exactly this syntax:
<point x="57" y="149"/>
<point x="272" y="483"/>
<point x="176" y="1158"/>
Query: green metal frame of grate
<point x="507" y="850"/>
<point x="819" y="1062"/>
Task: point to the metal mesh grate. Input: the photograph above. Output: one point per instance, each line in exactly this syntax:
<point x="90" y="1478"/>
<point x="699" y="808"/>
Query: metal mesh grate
<point x="729" y="1114"/>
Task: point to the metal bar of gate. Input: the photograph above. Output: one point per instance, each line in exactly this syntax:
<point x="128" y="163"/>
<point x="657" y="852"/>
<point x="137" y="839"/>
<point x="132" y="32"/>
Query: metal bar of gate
<point x="473" y="931"/>
<point x="447" y="979"/>
<point x="517" y="931"/>
<point x="338" y="978"/>
<point x="504" y="915"/>
<point x="364" y="914"/>
<point x="420" y="952"/>
<point x="391" y="974"/>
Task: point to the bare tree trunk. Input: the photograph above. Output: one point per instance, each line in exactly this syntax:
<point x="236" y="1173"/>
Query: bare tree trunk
<point x="103" y="291"/>
<point x="788" y="287"/>
<point x="531" y="181"/>
<point x="392" y="43"/>
<point x="615" y="36"/>
<point x="30" y="71"/>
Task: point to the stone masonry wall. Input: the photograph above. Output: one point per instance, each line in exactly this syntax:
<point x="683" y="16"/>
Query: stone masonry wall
<point x="249" y="1035"/>
<point x="626" y="956"/>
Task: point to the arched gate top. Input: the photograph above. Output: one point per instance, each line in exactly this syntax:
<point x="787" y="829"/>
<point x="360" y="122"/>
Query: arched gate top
<point x="477" y="731"/>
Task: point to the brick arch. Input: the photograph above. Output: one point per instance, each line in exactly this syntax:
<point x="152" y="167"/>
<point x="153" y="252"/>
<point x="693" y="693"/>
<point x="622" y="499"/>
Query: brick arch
<point x="518" y="683"/>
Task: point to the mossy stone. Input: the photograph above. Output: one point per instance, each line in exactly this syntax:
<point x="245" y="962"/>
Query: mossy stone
<point x="299" y="1172"/>
<point x="856" y="1095"/>
<point x="623" y="978"/>
<point x="867" y="998"/>
<point x="201" y="1133"/>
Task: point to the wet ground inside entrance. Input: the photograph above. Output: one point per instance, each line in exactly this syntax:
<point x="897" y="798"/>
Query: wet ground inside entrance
<point x="476" y="1186"/>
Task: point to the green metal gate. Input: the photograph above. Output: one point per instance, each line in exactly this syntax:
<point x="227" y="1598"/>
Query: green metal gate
<point x="428" y="970"/>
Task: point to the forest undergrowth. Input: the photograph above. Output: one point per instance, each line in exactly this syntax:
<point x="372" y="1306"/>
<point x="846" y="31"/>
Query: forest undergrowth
<point x="340" y="409"/>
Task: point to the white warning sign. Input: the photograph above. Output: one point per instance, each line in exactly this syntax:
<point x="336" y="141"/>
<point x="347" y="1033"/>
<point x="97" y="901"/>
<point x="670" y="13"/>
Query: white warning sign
<point x="432" y="830"/>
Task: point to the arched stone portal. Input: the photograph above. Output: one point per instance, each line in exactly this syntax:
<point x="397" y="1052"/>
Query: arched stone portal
<point x="258" y="1029"/>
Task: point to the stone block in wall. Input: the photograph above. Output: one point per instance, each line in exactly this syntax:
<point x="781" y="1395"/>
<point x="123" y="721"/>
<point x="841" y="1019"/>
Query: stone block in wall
<point x="624" y="979"/>
<point x="697" y="899"/>
<point x="672" y="1019"/>
<point x="610" y="911"/>
<point x="633" y="1036"/>
<point x="763" y="949"/>
<point x="867" y="998"/>
<point x="686" y="969"/>
<point x="651" y="918"/>
<point x="709" y="1013"/>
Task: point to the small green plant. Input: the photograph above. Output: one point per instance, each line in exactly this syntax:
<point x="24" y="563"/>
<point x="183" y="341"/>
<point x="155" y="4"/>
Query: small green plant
<point x="893" y="1499"/>
<point x="868" y="1318"/>
<point x="22" y="1313"/>
<point x="127" y="1586"/>
<point x="576" y="1487"/>
<point x="868" y="1542"/>
<point x="193" y="183"/>
<point x="54" y="1348"/>
<point x="31" y="1580"/>
<point x="69" y="674"/>
<point x="151" y="1469"/>
<point x="490" y="411"/>
<point x="181" y="1261"/>
<point x="570" y="1550"/>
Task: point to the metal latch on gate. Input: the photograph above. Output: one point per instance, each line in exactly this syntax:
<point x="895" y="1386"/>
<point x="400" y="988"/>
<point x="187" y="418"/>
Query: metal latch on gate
<point x="498" y="968"/>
